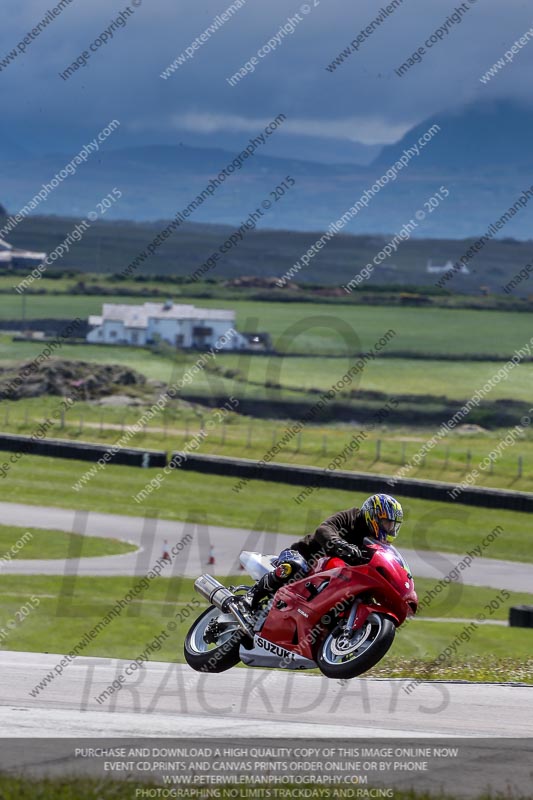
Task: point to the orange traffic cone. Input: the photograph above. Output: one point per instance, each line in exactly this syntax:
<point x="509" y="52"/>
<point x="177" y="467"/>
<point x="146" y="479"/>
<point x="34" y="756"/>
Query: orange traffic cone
<point x="166" y="554"/>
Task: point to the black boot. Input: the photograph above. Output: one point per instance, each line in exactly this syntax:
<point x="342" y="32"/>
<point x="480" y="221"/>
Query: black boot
<point x="265" y="586"/>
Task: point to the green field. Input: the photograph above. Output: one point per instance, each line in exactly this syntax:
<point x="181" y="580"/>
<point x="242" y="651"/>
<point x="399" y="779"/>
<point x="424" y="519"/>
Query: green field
<point x="455" y="379"/>
<point x="323" y="329"/>
<point x="31" y="543"/>
<point x="399" y="376"/>
<point x="429" y="391"/>
<point x="149" y="364"/>
<point x="35" y="306"/>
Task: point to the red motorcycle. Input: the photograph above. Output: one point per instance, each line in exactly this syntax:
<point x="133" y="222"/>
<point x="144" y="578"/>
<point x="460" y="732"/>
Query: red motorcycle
<point x="339" y="618"/>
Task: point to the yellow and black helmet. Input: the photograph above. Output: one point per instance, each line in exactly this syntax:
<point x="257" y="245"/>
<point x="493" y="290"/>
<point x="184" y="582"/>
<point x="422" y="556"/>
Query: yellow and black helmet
<point x="383" y="515"/>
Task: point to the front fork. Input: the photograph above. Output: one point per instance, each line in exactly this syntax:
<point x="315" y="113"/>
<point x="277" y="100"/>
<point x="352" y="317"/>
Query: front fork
<point x="360" y="611"/>
<point x="350" y="622"/>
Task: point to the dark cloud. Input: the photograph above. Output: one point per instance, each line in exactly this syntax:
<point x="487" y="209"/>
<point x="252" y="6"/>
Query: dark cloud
<point x="363" y="99"/>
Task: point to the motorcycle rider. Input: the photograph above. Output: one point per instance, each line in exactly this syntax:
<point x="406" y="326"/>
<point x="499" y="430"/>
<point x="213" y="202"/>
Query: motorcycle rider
<point x="341" y="536"/>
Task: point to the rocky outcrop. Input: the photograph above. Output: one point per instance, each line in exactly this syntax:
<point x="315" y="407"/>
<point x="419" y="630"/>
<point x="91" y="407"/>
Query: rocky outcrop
<point x="54" y="376"/>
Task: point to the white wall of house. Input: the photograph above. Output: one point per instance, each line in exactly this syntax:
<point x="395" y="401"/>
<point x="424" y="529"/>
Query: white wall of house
<point x="136" y="336"/>
<point x="114" y="332"/>
<point x="177" y="332"/>
<point x="183" y="326"/>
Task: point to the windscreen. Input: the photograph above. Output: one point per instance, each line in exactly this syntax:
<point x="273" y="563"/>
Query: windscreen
<point x="372" y="544"/>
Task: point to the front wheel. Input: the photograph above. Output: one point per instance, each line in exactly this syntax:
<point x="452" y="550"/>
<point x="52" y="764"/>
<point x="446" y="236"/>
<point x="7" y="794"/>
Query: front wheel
<point x="343" y="655"/>
<point x="212" y="644"/>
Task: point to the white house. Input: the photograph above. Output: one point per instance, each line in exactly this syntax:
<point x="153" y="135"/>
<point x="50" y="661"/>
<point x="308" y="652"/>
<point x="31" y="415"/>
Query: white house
<point x="181" y="326"/>
<point x="447" y="267"/>
<point x="19" y="258"/>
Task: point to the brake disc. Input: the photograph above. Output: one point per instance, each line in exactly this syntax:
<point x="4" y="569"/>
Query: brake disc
<point x="345" y="643"/>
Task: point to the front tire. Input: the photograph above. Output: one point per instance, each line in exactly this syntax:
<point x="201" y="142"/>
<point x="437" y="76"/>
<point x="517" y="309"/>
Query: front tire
<point x="221" y="649"/>
<point x="341" y="656"/>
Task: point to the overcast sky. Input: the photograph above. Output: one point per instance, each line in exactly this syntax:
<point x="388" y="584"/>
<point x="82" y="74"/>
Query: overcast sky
<point x="362" y="100"/>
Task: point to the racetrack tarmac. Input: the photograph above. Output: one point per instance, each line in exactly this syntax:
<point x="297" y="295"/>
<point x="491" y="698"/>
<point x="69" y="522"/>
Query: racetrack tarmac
<point x="161" y="699"/>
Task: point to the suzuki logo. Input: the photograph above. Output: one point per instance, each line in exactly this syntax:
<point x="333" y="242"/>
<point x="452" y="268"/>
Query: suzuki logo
<point x="274" y="648"/>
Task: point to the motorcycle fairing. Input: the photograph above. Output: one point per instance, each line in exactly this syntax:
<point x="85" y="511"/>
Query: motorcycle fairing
<point x="295" y="620"/>
<point x="256" y="564"/>
<point x="268" y="654"/>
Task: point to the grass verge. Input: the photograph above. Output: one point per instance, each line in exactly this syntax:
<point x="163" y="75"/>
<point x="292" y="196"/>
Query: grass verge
<point x="32" y="543"/>
<point x="477" y="669"/>
<point x="461" y="601"/>
<point x="68" y="607"/>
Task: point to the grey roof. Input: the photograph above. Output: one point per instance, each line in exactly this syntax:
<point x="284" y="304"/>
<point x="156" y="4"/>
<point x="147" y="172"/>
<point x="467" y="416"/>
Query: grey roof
<point x="138" y="316"/>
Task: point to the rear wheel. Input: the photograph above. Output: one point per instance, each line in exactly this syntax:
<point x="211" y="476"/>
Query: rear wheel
<point x="345" y="655"/>
<point x="212" y="644"/>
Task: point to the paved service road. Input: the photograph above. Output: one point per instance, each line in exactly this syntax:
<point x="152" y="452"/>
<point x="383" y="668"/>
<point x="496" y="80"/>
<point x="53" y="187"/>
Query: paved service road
<point x="150" y="536"/>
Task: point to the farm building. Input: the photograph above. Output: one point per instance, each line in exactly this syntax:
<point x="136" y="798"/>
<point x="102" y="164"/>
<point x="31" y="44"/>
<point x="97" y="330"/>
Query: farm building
<point x="446" y="268"/>
<point x="183" y="326"/>
<point x="13" y="257"/>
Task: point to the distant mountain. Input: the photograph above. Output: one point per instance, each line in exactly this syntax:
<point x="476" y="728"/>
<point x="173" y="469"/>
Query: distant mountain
<point x="487" y="136"/>
<point x="483" y="155"/>
<point x="158" y="181"/>
<point x="306" y="148"/>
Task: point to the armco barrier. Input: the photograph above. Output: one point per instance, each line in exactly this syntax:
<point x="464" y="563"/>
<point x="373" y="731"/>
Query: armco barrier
<point x="355" y="481"/>
<point x="81" y="451"/>
<point x="280" y="473"/>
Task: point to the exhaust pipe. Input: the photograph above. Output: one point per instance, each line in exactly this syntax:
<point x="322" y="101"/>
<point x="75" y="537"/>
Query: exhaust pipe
<point x="221" y="597"/>
<point x="213" y="591"/>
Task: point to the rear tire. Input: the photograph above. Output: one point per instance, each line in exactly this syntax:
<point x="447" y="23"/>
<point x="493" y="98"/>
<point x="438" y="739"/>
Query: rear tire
<point x="215" y="656"/>
<point x="342" y="657"/>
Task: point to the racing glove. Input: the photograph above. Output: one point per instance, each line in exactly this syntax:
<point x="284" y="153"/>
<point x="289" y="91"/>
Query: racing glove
<point x="345" y="550"/>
